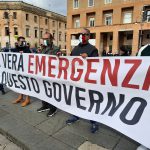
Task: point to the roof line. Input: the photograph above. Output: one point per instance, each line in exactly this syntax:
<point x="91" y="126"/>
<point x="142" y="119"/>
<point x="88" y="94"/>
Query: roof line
<point x="33" y="6"/>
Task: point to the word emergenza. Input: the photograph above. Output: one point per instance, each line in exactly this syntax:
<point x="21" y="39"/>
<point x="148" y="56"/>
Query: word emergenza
<point x="77" y="69"/>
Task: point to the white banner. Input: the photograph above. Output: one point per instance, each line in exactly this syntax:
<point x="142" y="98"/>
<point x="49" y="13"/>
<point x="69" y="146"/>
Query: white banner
<point x="114" y="91"/>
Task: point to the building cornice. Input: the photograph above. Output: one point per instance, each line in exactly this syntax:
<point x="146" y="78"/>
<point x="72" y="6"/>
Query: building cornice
<point x="16" y="5"/>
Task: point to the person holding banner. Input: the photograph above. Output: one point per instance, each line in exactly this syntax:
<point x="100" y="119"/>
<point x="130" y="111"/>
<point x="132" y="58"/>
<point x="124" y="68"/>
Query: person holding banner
<point x="49" y="48"/>
<point x="144" y="51"/>
<point x="84" y="49"/>
<point x="2" y="89"/>
<point x="21" y="47"/>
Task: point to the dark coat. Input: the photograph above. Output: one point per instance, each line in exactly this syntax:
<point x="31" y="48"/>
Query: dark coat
<point x="89" y="49"/>
<point x="24" y="49"/>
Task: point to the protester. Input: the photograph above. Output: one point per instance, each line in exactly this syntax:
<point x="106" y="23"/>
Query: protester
<point x="110" y="53"/>
<point x="2" y="89"/>
<point x="22" y="48"/>
<point x="48" y="48"/>
<point x="84" y="49"/>
<point x="144" y="51"/>
<point x="104" y="53"/>
<point x="123" y="51"/>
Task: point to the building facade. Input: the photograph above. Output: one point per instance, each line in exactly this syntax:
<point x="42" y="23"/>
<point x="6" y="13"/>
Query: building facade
<point x="22" y="19"/>
<point x="112" y="23"/>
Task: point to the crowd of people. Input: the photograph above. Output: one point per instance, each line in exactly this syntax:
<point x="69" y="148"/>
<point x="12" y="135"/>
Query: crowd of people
<point x="83" y="49"/>
<point x="123" y="51"/>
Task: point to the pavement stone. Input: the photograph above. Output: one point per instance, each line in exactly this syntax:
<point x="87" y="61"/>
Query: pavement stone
<point x="54" y="124"/>
<point x="6" y="144"/>
<point x="3" y="113"/>
<point x="81" y="128"/>
<point x="69" y="138"/>
<point x="34" y="131"/>
<point x="52" y="144"/>
<point x="126" y="144"/>
<point x="89" y="146"/>
<point x="32" y="118"/>
<point x="12" y="146"/>
<point x="28" y="135"/>
<point x="3" y="141"/>
<point x="9" y="122"/>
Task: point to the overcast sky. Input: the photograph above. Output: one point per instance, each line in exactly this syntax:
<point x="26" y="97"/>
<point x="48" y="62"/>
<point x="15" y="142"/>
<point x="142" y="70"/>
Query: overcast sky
<point x="58" y="6"/>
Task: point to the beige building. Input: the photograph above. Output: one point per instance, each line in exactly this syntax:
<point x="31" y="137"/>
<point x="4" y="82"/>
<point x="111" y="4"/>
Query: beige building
<point x="22" y="19"/>
<point x="113" y="23"/>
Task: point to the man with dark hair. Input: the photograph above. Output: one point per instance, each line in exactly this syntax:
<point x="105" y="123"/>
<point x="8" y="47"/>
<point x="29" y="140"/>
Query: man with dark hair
<point x="22" y="48"/>
<point x="22" y="45"/>
<point x="50" y="49"/>
<point x="110" y="53"/>
<point x="123" y="51"/>
<point x="84" y="49"/>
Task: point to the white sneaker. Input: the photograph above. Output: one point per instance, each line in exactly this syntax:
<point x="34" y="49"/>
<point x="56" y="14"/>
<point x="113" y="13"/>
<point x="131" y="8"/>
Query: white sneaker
<point x="141" y="147"/>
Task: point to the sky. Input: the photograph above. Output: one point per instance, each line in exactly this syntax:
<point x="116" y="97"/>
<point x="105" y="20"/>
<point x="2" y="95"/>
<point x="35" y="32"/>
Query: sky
<point x="58" y="6"/>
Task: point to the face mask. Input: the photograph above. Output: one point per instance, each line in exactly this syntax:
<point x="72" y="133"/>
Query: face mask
<point x="46" y="43"/>
<point x="82" y="39"/>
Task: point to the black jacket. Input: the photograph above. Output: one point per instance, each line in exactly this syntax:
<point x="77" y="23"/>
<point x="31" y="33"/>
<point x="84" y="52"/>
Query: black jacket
<point x="89" y="49"/>
<point x="24" y="49"/>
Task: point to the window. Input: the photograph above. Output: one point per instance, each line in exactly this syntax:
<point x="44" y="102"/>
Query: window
<point x="111" y="38"/>
<point x="41" y="34"/>
<point x="35" y="19"/>
<point x="90" y="3"/>
<point x="14" y="15"/>
<point x="148" y="36"/>
<point x="35" y="33"/>
<point x="129" y="36"/>
<point x="53" y="23"/>
<point x="59" y="36"/>
<point x="65" y="37"/>
<point x="27" y="32"/>
<point x="108" y="19"/>
<point x="27" y="17"/>
<point x="65" y="25"/>
<point x="6" y="15"/>
<point x="76" y="4"/>
<point x="92" y="22"/>
<point x="54" y="34"/>
<point x="6" y="31"/>
<point x="46" y="21"/>
<point x="148" y="16"/>
<point x="59" y="25"/>
<point x="77" y="23"/>
<point x="127" y="17"/>
<point x="107" y="1"/>
<point x="15" y="31"/>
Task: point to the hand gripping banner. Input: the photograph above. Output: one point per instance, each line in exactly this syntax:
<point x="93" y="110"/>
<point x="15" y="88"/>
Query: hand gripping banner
<point x="114" y="91"/>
